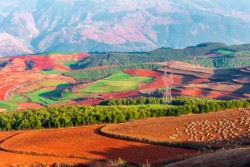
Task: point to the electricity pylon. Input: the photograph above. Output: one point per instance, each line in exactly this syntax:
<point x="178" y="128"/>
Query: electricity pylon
<point x="168" y="81"/>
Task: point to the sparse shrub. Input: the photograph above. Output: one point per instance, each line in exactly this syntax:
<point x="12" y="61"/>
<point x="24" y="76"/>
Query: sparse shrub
<point x="117" y="163"/>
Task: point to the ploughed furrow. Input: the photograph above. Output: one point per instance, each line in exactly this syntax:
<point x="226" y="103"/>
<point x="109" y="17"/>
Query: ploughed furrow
<point x="86" y="143"/>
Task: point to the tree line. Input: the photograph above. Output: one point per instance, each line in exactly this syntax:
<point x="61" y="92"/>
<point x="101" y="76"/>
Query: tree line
<point x="67" y="116"/>
<point x="239" y="56"/>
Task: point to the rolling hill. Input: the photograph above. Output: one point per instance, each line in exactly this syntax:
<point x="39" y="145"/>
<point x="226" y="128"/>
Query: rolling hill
<point x="60" y="78"/>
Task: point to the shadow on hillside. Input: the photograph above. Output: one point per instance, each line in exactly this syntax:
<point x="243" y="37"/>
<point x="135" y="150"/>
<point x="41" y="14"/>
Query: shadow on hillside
<point x="227" y="76"/>
<point x="136" y="153"/>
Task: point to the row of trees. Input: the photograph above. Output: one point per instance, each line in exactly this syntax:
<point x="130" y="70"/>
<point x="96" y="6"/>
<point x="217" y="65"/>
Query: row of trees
<point x="132" y="101"/>
<point x="67" y="116"/>
<point x="98" y="73"/>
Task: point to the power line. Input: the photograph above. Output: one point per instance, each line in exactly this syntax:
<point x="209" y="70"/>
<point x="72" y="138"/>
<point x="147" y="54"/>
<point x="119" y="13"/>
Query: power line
<point x="168" y="81"/>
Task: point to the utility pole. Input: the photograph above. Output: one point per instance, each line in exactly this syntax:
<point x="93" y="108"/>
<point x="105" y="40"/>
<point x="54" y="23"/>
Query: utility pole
<point x="168" y="81"/>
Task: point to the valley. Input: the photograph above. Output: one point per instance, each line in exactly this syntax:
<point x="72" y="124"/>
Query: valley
<point x="79" y="109"/>
<point x="118" y="83"/>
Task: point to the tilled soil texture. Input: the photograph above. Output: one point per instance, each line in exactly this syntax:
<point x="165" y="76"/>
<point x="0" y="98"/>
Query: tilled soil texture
<point x="229" y="128"/>
<point x="87" y="143"/>
<point x="9" y="159"/>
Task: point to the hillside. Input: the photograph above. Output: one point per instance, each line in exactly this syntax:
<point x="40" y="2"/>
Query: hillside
<point x="118" y="25"/>
<point x="216" y="55"/>
<point x="61" y="78"/>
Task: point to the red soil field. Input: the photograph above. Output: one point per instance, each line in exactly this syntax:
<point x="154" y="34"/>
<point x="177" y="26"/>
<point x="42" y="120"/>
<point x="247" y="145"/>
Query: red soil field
<point x="86" y="142"/>
<point x="192" y="92"/>
<point x="228" y="128"/>
<point x="12" y="159"/>
<point x="142" y="72"/>
<point x="15" y="65"/>
<point x="3" y="90"/>
<point x="42" y="62"/>
<point x="199" y="92"/>
<point x="159" y="83"/>
<point x="29" y="105"/>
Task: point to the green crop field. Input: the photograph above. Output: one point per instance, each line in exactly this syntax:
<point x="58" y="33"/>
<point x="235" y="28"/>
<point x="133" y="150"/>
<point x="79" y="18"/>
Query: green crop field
<point x="18" y="98"/>
<point x="118" y="82"/>
<point x="224" y="52"/>
<point x="48" y="72"/>
<point x="67" y="94"/>
<point x="8" y="106"/>
<point x="46" y="97"/>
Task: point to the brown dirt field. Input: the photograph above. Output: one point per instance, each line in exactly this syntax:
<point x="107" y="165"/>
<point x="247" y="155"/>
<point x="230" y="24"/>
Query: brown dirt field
<point x="42" y="62"/>
<point x="155" y="84"/>
<point x="15" y="160"/>
<point x="235" y="157"/>
<point x="192" y="92"/>
<point x="190" y="67"/>
<point x="144" y="73"/>
<point x="225" y="128"/>
<point x="86" y="142"/>
<point x="242" y="80"/>
<point x="197" y="91"/>
<point x="12" y="159"/>
<point x="16" y="65"/>
<point x="178" y="80"/>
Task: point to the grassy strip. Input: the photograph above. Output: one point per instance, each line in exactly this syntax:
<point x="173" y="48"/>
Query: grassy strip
<point x="16" y="98"/>
<point x="49" y="72"/>
<point x="8" y="106"/>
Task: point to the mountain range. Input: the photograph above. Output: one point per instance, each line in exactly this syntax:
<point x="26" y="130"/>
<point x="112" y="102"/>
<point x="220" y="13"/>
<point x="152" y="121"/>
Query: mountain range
<point x="33" y="26"/>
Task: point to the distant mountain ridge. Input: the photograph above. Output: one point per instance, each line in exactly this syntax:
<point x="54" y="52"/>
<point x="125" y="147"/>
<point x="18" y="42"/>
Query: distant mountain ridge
<point x="35" y="26"/>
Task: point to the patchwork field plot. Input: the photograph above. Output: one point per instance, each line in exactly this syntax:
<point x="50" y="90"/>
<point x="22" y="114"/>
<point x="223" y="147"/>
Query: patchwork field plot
<point x="144" y="73"/>
<point x="87" y="143"/>
<point x="118" y="82"/>
<point x="223" y="129"/>
<point x="3" y="90"/>
<point x="8" y="106"/>
<point x="43" y="81"/>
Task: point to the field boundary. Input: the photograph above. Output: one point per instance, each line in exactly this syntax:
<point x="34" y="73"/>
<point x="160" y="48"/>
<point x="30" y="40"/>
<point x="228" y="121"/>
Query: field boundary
<point x="186" y="145"/>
